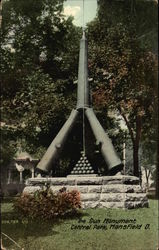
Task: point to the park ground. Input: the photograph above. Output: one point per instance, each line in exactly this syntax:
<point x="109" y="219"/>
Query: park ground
<point x="95" y="235"/>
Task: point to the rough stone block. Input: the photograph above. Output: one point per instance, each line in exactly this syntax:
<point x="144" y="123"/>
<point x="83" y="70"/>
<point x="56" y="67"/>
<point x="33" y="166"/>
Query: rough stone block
<point x="111" y="179"/>
<point x="90" y="197"/>
<point x="118" y="188"/>
<point x="115" y="182"/>
<point x="136" y="204"/>
<point x="115" y="197"/>
<point x="52" y="181"/>
<point x="89" y="181"/>
<point x="62" y="181"/>
<point x="81" y="189"/>
<point x="138" y="189"/>
<point x="112" y="204"/>
<point x="31" y="189"/>
<point x="136" y="197"/>
<point x="119" y="179"/>
<point x="89" y="204"/>
<point x="36" y="181"/>
<point x="94" y="189"/>
<point x="55" y="189"/>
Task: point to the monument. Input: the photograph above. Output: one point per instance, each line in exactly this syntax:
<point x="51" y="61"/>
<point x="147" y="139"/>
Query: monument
<point x="112" y="191"/>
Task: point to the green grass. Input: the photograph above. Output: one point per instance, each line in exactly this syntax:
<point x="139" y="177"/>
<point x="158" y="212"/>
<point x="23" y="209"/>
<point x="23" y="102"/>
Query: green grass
<point x="58" y="235"/>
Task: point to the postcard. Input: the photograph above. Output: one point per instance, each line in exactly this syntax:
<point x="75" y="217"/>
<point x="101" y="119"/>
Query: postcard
<point x="79" y="125"/>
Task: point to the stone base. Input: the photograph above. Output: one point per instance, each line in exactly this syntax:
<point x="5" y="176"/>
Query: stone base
<point x="118" y="191"/>
<point x="81" y="175"/>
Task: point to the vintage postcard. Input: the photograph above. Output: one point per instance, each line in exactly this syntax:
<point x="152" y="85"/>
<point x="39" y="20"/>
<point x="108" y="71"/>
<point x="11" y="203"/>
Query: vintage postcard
<point x="79" y="125"/>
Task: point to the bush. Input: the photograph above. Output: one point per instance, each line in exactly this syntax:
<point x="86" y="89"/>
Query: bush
<point x="47" y="205"/>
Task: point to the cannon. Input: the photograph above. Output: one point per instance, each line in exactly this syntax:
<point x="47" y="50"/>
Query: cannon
<point x="84" y="105"/>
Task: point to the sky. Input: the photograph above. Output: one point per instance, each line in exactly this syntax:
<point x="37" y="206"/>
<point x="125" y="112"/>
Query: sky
<point x="75" y="9"/>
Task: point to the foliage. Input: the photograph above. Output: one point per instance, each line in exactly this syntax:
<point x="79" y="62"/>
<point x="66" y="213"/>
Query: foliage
<point x="46" y="39"/>
<point x="8" y="145"/>
<point x="149" y="158"/>
<point x="46" y="205"/>
<point x="38" y="64"/>
<point x="123" y="70"/>
<point x="7" y="152"/>
<point x="140" y="15"/>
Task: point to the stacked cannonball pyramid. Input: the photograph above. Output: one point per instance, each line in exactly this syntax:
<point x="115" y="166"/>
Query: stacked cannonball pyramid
<point x="83" y="166"/>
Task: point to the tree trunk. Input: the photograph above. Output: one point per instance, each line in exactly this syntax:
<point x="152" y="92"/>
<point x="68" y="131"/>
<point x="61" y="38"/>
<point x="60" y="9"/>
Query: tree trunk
<point x="147" y="174"/>
<point x="136" y="145"/>
<point x="135" y="140"/>
<point x="136" y="158"/>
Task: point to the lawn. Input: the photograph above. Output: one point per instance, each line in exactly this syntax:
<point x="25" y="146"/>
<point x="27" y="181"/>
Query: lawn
<point x="89" y="231"/>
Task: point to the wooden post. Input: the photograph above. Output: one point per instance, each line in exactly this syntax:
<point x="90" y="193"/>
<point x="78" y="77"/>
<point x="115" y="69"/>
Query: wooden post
<point x="21" y="177"/>
<point x="124" y="156"/>
<point x="9" y="176"/>
<point x="32" y="172"/>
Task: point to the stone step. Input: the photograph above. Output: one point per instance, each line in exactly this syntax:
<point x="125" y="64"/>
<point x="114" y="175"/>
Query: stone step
<point x="50" y="181"/>
<point x="120" y="179"/>
<point x="87" y="180"/>
<point x="115" y="204"/>
<point x="121" y="188"/>
<point x="99" y="204"/>
<point x="116" y="197"/>
<point x="118" y="188"/>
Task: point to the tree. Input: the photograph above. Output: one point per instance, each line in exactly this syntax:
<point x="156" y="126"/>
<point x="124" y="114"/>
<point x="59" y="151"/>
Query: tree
<point x="123" y="69"/>
<point x="39" y="63"/>
<point x="149" y="154"/>
<point x="141" y="15"/>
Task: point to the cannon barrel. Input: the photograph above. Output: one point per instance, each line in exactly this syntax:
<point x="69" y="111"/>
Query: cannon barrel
<point x="83" y="93"/>
<point x="52" y="153"/>
<point x="110" y="156"/>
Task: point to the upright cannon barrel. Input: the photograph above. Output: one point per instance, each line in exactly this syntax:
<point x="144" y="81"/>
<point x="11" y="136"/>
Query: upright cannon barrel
<point x="83" y="92"/>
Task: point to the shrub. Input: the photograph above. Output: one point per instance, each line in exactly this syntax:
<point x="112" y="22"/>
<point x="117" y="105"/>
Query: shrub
<point x="47" y="205"/>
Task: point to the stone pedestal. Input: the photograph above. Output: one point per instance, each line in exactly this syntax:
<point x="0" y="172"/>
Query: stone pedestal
<point x="119" y="191"/>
